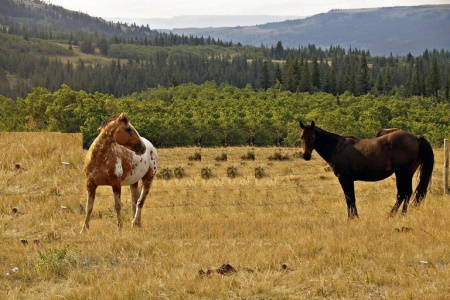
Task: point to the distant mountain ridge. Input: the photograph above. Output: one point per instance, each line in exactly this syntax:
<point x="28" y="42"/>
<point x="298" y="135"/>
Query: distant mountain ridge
<point x="397" y="30"/>
<point x="199" y="21"/>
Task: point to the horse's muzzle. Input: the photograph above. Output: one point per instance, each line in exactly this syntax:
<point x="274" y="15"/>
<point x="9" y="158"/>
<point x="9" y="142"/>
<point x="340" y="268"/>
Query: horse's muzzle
<point x="139" y="149"/>
<point x="306" y="156"/>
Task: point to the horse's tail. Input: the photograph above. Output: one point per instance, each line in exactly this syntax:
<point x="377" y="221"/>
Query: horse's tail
<point x="426" y="157"/>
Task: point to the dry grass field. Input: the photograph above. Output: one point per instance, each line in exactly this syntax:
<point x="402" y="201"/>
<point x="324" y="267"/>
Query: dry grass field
<point x="286" y="234"/>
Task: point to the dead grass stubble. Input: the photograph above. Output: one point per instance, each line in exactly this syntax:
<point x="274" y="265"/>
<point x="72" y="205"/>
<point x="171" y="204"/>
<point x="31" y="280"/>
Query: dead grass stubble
<point x="286" y="234"/>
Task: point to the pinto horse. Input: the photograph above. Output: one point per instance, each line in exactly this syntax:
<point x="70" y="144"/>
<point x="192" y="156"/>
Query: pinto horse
<point x="120" y="156"/>
<point x="353" y="159"/>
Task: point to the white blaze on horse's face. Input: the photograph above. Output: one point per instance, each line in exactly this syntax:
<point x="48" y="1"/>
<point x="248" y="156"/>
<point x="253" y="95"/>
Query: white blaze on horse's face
<point x="128" y="137"/>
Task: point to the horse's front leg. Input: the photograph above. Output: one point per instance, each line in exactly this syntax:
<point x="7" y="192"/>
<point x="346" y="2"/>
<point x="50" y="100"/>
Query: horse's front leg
<point x="134" y="189"/>
<point x="146" y="184"/>
<point x="117" y="188"/>
<point x="91" y="188"/>
<point x="348" y="186"/>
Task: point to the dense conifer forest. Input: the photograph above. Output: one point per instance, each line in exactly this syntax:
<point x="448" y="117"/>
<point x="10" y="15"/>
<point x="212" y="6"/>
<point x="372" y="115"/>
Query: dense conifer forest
<point x="65" y="71"/>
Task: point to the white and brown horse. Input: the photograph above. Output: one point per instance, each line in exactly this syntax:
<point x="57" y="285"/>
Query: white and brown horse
<point x="120" y="156"/>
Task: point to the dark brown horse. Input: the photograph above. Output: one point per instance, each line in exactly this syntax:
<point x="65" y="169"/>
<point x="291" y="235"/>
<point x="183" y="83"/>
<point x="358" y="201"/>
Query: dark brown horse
<point x="353" y="159"/>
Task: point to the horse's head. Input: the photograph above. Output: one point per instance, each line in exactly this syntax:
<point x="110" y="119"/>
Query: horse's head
<point x="127" y="136"/>
<point x="308" y="137"/>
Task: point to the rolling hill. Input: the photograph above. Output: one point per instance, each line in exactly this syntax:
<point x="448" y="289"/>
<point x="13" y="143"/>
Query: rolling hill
<point x="399" y="30"/>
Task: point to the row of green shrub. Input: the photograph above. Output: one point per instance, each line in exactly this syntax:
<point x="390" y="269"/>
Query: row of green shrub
<point x="220" y="115"/>
<point x="205" y="173"/>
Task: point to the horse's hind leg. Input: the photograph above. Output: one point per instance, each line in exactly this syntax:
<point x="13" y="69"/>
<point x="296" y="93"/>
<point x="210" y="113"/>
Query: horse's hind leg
<point x="404" y="192"/>
<point x="91" y="188"/>
<point x="134" y="198"/>
<point x="407" y="192"/>
<point x="146" y="183"/>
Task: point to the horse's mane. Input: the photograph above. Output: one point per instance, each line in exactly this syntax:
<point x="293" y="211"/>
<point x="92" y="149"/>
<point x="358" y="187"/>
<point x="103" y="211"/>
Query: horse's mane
<point x="110" y="119"/>
<point x="330" y="134"/>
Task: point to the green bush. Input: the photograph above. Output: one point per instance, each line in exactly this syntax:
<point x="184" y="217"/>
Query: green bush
<point x="165" y="173"/>
<point x="196" y="157"/>
<point x="249" y="156"/>
<point x="55" y="262"/>
<point x="278" y="156"/>
<point x="206" y="173"/>
<point x="259" y="172"/>
<point x="179" y="172"/>
<point x="222" y="157"/>
<point x="232" y="172"/>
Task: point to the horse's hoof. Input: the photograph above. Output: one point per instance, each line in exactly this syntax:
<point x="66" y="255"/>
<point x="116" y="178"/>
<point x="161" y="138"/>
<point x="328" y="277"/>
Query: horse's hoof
<point x="135" y="224"/>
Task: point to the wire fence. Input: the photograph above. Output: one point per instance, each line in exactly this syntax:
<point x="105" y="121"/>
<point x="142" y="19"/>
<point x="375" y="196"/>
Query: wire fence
<point x="231" y="191"/>
<point x="307" y="184"/>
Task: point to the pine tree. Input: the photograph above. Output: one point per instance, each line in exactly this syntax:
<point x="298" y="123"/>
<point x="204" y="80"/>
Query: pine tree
<point x="103" y="46"/>
<point x="289" y="79"/>
<point x="278" y="74"/>
<point x="330" y="82"/>
<point x="265" y="76"/>
<point x="305" y="79"/>
<point x="414" y="87"/>
<point x="447" y="90"/>
<point x="279" y="51"/>
<point x="315" y="76"/>
<point x="87" y="47"/>
<point x="297" y="70"/>
<point x="350" y="76"/>
<point x="379" y="84"/>
<point x="363" y="79"/>
<point x="387" y="81"/>
<point x="433" y="82"/>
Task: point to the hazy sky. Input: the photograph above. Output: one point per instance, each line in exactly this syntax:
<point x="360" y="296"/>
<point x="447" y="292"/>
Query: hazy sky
<point x="170" y="8"/>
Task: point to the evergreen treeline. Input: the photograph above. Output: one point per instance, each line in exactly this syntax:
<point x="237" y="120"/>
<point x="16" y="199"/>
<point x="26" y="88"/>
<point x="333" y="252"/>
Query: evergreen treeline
<point x="220" y="115"/>
<point x="138" y="68"/>
<point x="141" y="58"/>
<point x="51" y="22"/>
<point x="169" y="83"/>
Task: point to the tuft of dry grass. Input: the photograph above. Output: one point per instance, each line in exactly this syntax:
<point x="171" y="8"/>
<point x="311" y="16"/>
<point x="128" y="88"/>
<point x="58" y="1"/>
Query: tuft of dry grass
<point x="286" y="234"/>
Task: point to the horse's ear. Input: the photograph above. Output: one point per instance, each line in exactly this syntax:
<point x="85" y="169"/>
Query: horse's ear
<point x="123" y="118"/>
<point x="302" y="126"/>
<point x="313" y="124"/>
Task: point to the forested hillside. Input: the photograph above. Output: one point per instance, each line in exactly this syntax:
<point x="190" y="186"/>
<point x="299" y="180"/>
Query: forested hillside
<point x="65" y="71"/>
<point x="129" y="68"/>
<point x="385" y="30"/>
<point x="45" y="46"/>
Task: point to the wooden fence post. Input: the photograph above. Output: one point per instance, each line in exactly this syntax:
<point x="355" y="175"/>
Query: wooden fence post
<point x="446" y="160"/>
